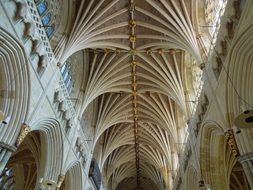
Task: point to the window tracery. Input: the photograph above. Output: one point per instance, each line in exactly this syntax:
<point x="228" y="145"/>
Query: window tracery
<point x="46" y="19"/>
<point x="42" y="7"/>
<point x="49" y="12"/>
<point x="50" y="30"/>
<point x="66" y="74"/>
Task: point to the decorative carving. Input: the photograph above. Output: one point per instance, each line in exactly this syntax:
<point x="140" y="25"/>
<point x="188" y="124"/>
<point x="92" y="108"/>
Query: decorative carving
<point x="37" y="46"/>
<point x="42" y="64"/>
<point x="22" y="10"/>
<point x="60" y="180"/>
<point x="80" y="150"/>
<point x="70" y="122"/>
<point x="30" y="28"/>
<point x="132" y="23"/>
<point x="117" y="51"/>
<point x="149" y="51"/>
<point x="25" y="129"/>
<point x="132" y="39"/>
<point x="172" y="51"/>
<point x="58" y="96"/>
<point x="63" y="106"/>
<point x="106" y="50"/>
<point x="67" y="115"/>
<point x="229" y="135"/>
<point x="133" y="51"/>
<point x="160" y="51"/>
<point x="134" y="63"/>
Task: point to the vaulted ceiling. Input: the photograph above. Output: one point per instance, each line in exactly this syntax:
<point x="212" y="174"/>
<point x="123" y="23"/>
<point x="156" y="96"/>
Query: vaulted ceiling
<point x="144" y="68"/>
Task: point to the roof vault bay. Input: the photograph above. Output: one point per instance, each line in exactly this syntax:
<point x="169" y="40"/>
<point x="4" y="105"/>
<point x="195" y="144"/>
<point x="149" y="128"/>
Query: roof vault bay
<point x="138" y="73"/>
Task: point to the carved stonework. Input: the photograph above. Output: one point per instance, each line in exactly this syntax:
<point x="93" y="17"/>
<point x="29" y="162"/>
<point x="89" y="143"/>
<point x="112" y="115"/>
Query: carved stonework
<point x="229" y="135"/>
<point x="80" y="151"/>
<point x="61" y="179"/>
<point x="187" y="158"/>
<point x="25" y="129"/>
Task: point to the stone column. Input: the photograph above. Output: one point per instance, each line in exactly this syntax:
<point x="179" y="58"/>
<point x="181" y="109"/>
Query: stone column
<point x="247" y="163"/>
<point x="5" y="154"/>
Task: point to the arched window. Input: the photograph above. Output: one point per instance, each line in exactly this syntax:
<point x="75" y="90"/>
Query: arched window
<point x="42" y="7"/>
<point x="46" y="19"/>
<point x="65" y="71"/>
<point x="49" y="31"/>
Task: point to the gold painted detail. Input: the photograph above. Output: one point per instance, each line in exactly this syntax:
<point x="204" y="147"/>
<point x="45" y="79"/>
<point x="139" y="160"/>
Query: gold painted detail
<point x="106" y="50"/>
<point x="133" y="51"/>
<point x="172" y="51"/>
<point x="25" y="129"/>
<point x="132" y="23"/>
<point x="149" y="51"/>
<point x="132" y="39"/>
<point x="160" y="51"/>
<point x="229" y="135"/>
<point x="117" y="51"/>
<point x="61" y="179"/>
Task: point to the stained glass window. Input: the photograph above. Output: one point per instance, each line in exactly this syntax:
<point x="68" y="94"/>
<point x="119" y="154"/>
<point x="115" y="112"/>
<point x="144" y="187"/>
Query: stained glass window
<point x="46" y="19"/>
<point x="65" y="71"/>
<point x="42" y="7"/>
<point x="50" y="31"/>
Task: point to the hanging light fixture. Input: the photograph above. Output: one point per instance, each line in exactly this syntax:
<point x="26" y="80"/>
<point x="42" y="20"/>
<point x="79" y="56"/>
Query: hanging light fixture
<point x="244" y="120"/>
<point x="4" y="119"/>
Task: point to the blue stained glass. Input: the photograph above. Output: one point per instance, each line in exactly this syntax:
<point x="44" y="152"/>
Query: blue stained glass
<point x="70" y="86"/>
<point x="50" y="31"/>
<point x="66" y="77"/>
<point x="42" y="7"/>
<point x="63" y="68"/>
<point x="46" y="19"/>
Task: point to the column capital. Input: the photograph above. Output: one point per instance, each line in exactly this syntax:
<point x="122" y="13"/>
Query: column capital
<point x="246" y="157"/>
<point x="8" y="147"/>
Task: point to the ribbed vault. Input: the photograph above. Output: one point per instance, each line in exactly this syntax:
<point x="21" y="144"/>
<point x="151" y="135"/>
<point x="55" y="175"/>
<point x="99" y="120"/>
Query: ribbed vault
<point x="141" y="57"/>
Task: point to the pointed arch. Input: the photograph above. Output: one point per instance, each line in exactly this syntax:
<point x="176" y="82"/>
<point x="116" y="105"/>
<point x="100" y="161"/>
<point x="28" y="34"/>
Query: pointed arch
<point x="14" y="86"/>
<point x="214" y="151"/>
<point x="73" y="178"/>
<point x="52" y="138"/>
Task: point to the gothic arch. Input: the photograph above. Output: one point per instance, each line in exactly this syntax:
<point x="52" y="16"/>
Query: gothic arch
<point x="238" y="179"/>
<point x="72" y="182"/>
<point x="23" y="168"/>
<point x="52" y="138"/>
<point x="14" y="86"/>
<point x="216" y="157"/>
<point x="241" y="52"/>
<point x="192" y="179"/>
